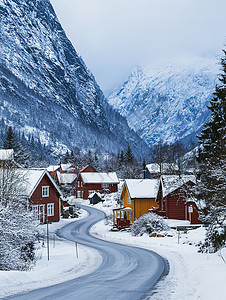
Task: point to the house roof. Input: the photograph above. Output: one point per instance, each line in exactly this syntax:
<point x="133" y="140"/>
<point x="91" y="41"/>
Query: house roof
<point x="94" y="177"/>
<point x="93" y="194"/>
<point x="53" y="168"/>
<point x="66" y="178"/>
<point x="67" y="167"/>
<point x="171" y="183"/>
<point x="86" y="167"/>
<point x="6" y="154"/>
<point x="155" y="168"/>
<point x="123" y="209"/>
<point x="31" y="179"/>
<point x="142" y="188"/>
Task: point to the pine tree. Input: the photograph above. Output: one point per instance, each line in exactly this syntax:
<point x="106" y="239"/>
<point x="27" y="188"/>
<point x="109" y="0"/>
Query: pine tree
<point x="21" y="155"/>
<point x="11" y="141"/>
<point x="211" y="175"/>
<point x="129" y="158"/>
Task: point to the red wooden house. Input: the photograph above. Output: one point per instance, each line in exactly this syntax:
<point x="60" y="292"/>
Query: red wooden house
<point x="89" y="182"/>
<point x="42" y="194"/>
<point x="175" y="198"/>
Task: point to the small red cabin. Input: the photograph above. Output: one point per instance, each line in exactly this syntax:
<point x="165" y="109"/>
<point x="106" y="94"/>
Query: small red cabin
<point x="175" y="198"/>
<point x="89" y="182"/>
<point x="42" y="193"/>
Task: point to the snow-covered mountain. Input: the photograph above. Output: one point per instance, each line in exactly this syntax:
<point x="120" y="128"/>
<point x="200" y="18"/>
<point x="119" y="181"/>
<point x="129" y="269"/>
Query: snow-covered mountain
<point x="46" y="89"/>
<point x="168" y="102"/>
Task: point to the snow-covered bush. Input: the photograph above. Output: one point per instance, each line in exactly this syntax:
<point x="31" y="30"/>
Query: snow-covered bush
<point x="215" y="237"/>
<point x="17" y="230"/>
<point x="149" y="223"/>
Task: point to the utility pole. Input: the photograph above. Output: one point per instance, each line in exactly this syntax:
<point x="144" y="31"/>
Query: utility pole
<point x="47" y="237"/>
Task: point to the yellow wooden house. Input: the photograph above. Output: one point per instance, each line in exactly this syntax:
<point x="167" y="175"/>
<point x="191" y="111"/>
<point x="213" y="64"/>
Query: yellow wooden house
<point x="139" y="196"/>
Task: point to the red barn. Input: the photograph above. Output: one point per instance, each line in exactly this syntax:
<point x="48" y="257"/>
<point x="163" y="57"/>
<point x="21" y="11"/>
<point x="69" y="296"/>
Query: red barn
<point x="90" y="182"/>
<point x="175" y="198"/>
<point x="42" y="193"/>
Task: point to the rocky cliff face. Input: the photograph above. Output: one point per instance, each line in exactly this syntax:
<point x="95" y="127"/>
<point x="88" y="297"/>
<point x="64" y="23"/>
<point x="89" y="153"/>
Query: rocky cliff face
<point x="46" y="89"/>
<point x="168" y="102"/>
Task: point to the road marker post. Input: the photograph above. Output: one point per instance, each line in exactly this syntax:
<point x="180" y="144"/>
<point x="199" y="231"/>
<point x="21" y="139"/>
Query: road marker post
<point x="76" y="249"/>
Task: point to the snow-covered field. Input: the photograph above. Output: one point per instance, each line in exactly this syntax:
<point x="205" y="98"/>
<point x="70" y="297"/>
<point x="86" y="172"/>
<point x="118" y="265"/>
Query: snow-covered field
<point x="192" y="275"/>
<point x="63" y="264"/>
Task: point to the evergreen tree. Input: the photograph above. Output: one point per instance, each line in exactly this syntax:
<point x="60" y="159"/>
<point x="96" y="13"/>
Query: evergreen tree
<point x="211" y="174"/>
<point x="129" y="158"/>
<point x="121" y="158"/>
<point x="21" y="155"/>
<point x="11" y="141"/>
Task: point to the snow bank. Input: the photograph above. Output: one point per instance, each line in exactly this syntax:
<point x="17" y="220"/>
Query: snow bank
<point x="63" y="264"/>
<point x="192" y="275"/>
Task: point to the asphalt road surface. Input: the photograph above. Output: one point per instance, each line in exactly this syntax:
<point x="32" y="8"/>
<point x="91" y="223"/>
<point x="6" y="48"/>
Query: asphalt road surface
<point x="126" y="273"/>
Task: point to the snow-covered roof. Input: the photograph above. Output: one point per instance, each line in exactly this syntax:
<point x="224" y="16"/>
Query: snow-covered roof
<point x="30" y="178"/>
<point x="66" y="178"/>
<point x="142" y="188"/>
<point x="91" y="195"/>
<point x="172" y="182"/>
<point x="67" y="167"/>
<point x="94" y="177"/>
<point x="155" y="168"/>
<point x="6" y="154"/>
<point x="53" y="168"/>
<point x="124" y="208"/>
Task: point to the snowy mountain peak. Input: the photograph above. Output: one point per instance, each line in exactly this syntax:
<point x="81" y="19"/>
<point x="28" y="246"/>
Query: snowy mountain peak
<point x="167" y="101"/>
<point x="47" y="91"/>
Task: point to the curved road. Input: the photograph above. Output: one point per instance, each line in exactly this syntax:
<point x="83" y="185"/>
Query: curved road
<point x="126" y="273"/>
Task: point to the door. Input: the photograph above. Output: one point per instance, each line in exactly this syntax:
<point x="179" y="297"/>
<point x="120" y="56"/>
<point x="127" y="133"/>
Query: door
<point x="42" y="213"/>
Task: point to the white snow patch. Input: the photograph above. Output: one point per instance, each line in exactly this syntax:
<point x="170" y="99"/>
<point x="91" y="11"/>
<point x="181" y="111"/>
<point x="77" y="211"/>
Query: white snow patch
<point x="62" y="266"/>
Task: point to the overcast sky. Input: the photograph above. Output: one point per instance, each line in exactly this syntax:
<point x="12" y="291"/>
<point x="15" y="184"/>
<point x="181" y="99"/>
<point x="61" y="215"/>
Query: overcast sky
<point x="113" y="36"/>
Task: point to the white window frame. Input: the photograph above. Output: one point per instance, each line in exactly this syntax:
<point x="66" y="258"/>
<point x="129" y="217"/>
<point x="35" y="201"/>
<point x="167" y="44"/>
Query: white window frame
<point x="45" y="191"/>
<point x="78" y="194"/>
<point x="50" y="209"/>
<point x="129" y="200"/>
<point x="38" y="211"/>
<point x="78" y="183"/>
<point x="105" y="185"/>
<point x="35" y="211"/>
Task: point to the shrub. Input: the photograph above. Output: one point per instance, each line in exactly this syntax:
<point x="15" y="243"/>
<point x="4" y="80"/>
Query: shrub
<point x="149" y="223"/>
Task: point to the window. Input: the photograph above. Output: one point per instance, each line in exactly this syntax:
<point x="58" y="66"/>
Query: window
<point x="130" y="215"/>
<point x="35" y="211"/>
<point x="81" y="184"/>
<point x="45" y="191"/>
<point x="78" y="183"/>
<point x="105" y="185"/>
<point x="50" y="209"/>
<point x="129" y="200"/>
<point x="38" y="212"/>
<point x="78" y="194"/>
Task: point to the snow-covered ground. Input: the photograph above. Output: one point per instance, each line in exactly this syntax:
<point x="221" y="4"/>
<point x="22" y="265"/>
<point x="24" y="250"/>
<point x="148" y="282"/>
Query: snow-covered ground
<point x="192" y="275"/>
<point x="63" y="264"/>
